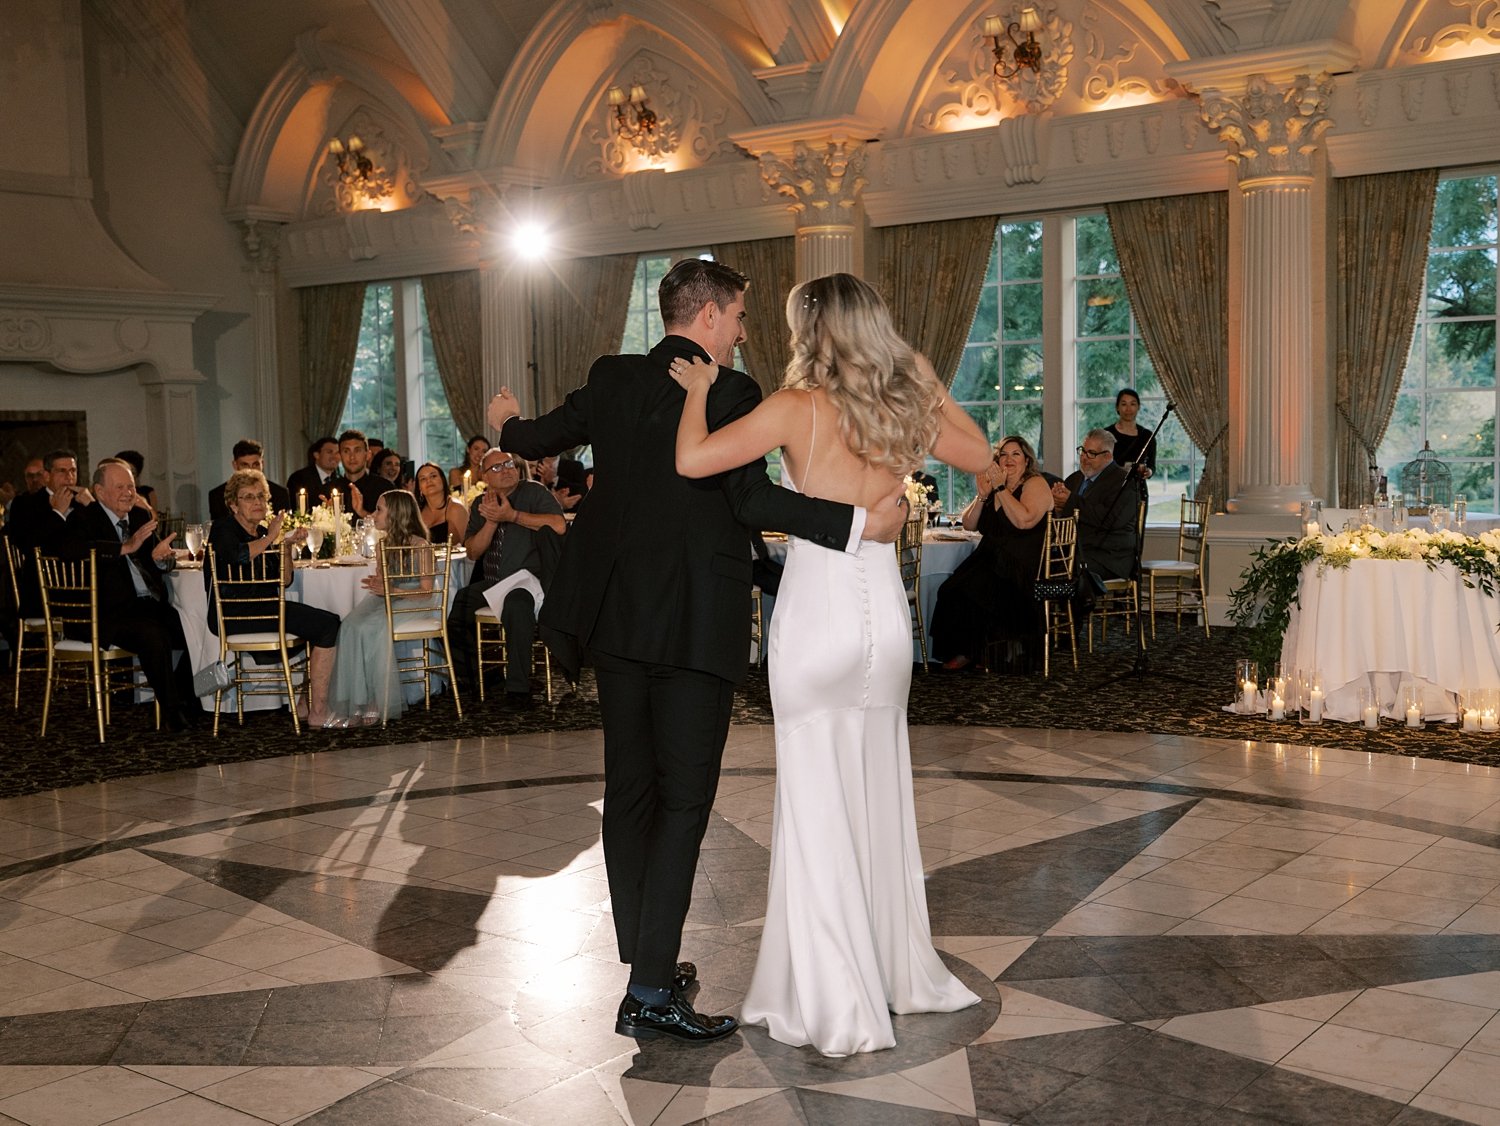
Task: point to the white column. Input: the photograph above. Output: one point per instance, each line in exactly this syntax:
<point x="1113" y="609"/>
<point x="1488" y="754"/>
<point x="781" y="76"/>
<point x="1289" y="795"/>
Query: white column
<point x="260" y="244"/>
<point x="1272" y="134"/>
<point x="171" y="425"/>
<point x="824" y="184"/>
<point x="829" y="248"/>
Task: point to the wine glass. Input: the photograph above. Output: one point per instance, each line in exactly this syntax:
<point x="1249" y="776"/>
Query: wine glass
<point x="192" y="538"/>
<point x="315" y="540"/>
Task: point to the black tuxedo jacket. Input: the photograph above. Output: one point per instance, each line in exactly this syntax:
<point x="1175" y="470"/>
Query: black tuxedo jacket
<point x="1106" y="520"/>
<point x="656" y="567"/>
<point x="217" y="509"/>
<point x="317" y="490"/>
<point x="37" y="530"/>
<point x="94" y="527"/>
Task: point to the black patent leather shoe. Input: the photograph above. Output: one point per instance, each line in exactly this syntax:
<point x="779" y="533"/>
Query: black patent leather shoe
<point x="684" y="976"/>
<point x="676" y="1020"/>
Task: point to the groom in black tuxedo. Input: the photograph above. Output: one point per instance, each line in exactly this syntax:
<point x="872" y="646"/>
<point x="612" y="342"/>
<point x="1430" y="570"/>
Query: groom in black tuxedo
<point x="654" y="581"/>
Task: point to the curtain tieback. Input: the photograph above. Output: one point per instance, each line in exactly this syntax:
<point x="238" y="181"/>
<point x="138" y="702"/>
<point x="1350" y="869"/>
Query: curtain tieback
<point x="1353" y="426"/>
<point x="1219" y="437"/>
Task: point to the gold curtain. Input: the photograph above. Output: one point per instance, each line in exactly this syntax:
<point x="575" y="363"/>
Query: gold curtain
<point x="771" y="266"/>
<point x="930" y="275"/>
<point x="327" y="337"/>
<point x="1384" y="224"/>
<point x="578" y="307"/>
<point x="453" y="316"/>
<point x="1174" y="257"/>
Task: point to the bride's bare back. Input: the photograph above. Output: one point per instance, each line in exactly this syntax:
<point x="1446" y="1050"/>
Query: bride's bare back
<point x="832" y="471"/>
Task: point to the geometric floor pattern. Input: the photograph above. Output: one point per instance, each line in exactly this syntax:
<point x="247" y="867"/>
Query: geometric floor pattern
<point x="1161" y="930"/>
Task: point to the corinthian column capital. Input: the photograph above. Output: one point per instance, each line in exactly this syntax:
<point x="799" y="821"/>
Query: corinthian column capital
<point x="823" y="184"/>
<point x="1271" y="130"/>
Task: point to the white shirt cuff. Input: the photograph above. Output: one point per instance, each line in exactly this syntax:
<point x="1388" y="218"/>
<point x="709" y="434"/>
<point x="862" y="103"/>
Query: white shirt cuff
<point x="856" y="530"/>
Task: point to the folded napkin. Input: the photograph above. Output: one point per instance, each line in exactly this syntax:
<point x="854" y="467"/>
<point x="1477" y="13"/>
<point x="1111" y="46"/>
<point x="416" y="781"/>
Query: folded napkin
<point x="521" y="580"/>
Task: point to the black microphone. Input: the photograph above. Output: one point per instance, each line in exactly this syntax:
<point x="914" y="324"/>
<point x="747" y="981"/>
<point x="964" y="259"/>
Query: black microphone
<point x="1171" y="406"/>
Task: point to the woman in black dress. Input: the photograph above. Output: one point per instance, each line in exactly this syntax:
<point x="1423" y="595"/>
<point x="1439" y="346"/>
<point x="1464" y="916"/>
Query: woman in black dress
<point x="1130" y="439"/>
<point x="988" y="598"/>
<point x="245" y="535"/>
<point x="445" y="518"/>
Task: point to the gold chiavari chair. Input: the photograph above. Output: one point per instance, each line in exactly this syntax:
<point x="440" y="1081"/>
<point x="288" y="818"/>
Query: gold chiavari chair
<point x="1185" y="579"/>
<point x="25" y="627"/>
<point x="1056" y="579"/>
<point x="1121" y="598"/>
<point x="414" y="582"/>
<point x="909" y="557"/>
<point x="70" y="604"/>
<point x="492" y="650"/>
<point x="250" y="600"/>
<point x="758" y="624"/>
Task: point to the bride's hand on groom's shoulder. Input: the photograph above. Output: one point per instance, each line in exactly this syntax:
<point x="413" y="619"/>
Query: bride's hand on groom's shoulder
<point x="689" y="374"/>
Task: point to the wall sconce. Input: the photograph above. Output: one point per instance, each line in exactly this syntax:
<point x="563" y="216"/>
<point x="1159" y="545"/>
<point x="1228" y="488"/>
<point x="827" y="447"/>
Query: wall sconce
<point x="1025" y="54"/>
<point x="358" y="177"/>
<point x="635" y="121"/>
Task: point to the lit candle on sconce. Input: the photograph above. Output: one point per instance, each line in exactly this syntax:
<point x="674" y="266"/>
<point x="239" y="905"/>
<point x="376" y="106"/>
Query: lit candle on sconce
<point x="994" y="27"/>
<point x="637" y="94"/>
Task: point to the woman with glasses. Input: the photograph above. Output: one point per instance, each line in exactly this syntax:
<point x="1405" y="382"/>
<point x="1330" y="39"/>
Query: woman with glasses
<point x="988" y="597"/>
<point x="246" y="543"/>
<point x="846" y="940"/>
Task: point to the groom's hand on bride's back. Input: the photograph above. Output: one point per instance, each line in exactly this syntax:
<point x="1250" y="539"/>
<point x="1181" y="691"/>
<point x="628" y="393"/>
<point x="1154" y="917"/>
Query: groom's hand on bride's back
<point x="884" y="519"/>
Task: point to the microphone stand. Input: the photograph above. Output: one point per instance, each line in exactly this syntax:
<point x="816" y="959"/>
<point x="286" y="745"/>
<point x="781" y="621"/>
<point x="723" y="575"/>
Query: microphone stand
<point x="1142" y="664"/>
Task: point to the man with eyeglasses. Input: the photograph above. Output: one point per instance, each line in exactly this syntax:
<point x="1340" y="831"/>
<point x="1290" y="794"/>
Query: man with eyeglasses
<point x="507" y="533"/>
<point x="1106" y="510"/>
<point x="134" y="610"/>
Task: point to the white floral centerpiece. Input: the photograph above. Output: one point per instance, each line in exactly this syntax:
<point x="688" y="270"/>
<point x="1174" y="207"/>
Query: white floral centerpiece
<point x="916" y="496"/>
<point x="467" y="495"/>
<point x="338" y="536"/>
<point x="1263" y="601"/>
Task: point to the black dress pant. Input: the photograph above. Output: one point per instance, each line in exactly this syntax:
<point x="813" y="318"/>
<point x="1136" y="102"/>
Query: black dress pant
<point x="152" y="631"/>
<point x="517" y="616"/>
<point x="664" y="732"/>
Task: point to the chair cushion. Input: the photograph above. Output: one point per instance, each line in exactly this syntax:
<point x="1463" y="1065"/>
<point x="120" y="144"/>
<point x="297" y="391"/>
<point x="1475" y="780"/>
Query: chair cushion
<point x="485" y="614"/>
<point x="70" y="646"/>
<point x="418" y="626"/>
<point x="1176" y="566"/>
<point x="34" y="625"/>
<point x="271" y="637"/>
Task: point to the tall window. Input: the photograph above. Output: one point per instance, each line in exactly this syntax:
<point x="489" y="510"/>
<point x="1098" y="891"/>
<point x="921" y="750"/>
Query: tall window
<point x="1109" y="355"/>
<point x="643" y="326"/>
<point x="1448" y="390"/>
<point x="395" y="393"/>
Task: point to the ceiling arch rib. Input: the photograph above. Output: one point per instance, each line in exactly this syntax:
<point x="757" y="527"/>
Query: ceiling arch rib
<point x="568" y="42"/>
<point x="439" y="51"/>
<point x="286" y="138"/>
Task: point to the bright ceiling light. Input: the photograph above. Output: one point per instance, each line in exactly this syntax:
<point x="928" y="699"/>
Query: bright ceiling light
<point x="531" y="240"/>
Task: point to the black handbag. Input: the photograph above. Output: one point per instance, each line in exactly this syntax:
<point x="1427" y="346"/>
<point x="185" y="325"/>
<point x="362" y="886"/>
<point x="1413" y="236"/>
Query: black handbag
<point x="1054" y="590"/>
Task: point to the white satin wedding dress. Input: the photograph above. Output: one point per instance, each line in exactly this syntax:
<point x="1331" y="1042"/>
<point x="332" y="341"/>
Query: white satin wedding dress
<point x="847" y="940"/>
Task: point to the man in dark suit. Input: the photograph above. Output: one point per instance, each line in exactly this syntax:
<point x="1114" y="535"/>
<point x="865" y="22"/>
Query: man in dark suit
<point x="1106" y="510"/>
<point x="37" y="521"/>
<point x="360" y="488"/>
<point x="134" y="611"/>
<point x="248" y="454"/>
<point x="319" y="474"/>
<point x="663" y="608"/>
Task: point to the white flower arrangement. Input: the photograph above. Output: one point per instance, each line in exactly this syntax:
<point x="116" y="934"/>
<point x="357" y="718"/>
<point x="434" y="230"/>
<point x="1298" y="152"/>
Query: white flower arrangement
<point x="916" y="494"/>
<point x="467" y="496"/>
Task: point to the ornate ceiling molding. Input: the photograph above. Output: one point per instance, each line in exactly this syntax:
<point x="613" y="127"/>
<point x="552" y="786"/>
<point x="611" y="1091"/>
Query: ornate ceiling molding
<point x="687" y="132"/>
<point x="1272" y="130"/>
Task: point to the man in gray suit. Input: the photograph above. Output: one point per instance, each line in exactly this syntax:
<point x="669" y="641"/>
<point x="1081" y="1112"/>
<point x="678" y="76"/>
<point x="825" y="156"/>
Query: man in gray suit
<point x="506" y="534"/>
<point x="1106" y="510"/>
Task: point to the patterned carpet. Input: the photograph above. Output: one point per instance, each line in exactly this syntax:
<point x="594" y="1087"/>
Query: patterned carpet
<point x="1181" y="693"/>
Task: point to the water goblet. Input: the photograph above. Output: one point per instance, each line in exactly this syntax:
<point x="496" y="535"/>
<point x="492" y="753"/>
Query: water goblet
<point x="192" y="539"/>
<point x="315" y="540"/>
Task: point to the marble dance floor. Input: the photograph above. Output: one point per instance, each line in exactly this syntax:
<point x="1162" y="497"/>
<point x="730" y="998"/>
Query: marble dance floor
<point x="1162" y="930"/>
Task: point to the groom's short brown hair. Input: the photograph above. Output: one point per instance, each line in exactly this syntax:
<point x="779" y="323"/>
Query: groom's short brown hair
<point x="692" y="283"/>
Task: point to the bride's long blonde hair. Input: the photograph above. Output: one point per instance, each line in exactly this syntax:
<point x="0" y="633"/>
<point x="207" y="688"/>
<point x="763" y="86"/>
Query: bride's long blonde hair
<point x="843" y="341"/>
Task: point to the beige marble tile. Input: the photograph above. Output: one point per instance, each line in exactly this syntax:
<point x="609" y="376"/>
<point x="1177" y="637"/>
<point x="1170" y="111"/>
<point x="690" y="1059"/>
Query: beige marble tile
<point x="282" y="1094"/>
<point x="1469" y="1077"/>
<point x="88" y="1098"/>
<point x="1255" y="1033"/>
<point x="1370" y="1057"/>
<point x="1431" y="1020"/>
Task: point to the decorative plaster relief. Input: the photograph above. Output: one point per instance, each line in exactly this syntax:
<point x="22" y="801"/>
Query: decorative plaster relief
<point x="1082" y="142"/>
<point x="971" y="94"/>
<point x="1032" y="92"/>
<point x="262" y="241"/>
<point x="1457" y="88"/>
<point x="1103" y="79"/>
<point x="1114" y="137"/>
<point x="22" y="334"/>
<point x="686" y="133"/>
<point x="1151" y="133"/>
<point x="823" y="184"/>
<point x="1412" y="92"/>
<point x="1272" y="131"/>
<point x="394" y="184"/>
<point x="640" y="188"/>
<point x="1367" y="97"/>
<point x="1023" y="143"/>
<point x="1482" y="26"/>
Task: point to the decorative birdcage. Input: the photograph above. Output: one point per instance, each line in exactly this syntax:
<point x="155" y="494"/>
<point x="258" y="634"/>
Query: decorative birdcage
<point x="1426" y="481"/>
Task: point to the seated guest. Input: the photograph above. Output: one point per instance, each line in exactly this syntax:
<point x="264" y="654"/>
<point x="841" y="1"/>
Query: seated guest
<point x="473" y="458"/>
<point x="360" y="487"/>
<point x="366" y="684"/>
<point x="387" y="464"/>
<point x="145" y="495"/>
<point x="503" y="537"/>
<point x="35" y="476"/>
<point x="244" y="535"/>
<point x="134" y="610"/>
<point x="1106" y="508"/>
<point x="248" y="455"/>
<point x="445" y="519"/>
<point x="36" y="521"/>
<point x="318" y="474"/>
<point x="988" y="598"/>
<point x="569" y="488"/>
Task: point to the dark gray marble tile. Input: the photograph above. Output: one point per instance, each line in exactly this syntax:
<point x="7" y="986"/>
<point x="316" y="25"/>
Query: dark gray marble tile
<point x="780" y="1109"/>
<point x="1301" y="1100"/>
<point x="425" y="944"/>
<point x="1128" y="955"/>
<point x="184" y="1045"/>
<point x="419" y="995"/>
<point x="1090" y="1102"/>
<point x="1233" y="950"/>
<point x="1080" y="1053"/>
<point x="1174" y="993"/>
<point x="365" y="999"/>
<point x="84" y="1036"/>
<point x="825" y="1109"/>
<point x="1006" y="1088"/>
<point x="1412" y="1116"/>
<point x="1102" y="995"/>
<point x="1283" y="981"/>
<point x="340" y="1043"/>
<point x="221" y="1009"/>
<point x="1177" y="1067"/>
<point x="1420" y="967"/>
<point x="404" y="1040"/>
<point x="1050" y="958"/>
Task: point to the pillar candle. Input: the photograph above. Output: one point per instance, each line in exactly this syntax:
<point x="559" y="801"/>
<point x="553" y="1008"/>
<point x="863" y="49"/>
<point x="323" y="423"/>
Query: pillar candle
<point x="1315" y="705"/>
<point x="1371" y="717"/>
<point x="301" y="502"/>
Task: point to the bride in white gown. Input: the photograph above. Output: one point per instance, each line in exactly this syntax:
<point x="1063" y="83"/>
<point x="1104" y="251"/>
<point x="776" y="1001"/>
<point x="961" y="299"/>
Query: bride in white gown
<point x="847" y="940"/>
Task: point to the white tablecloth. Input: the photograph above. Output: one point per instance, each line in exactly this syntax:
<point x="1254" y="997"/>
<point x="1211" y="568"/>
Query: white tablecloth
<point x="1383" y="622"/>
<point x="335" y="588"/>
<point x="940" y="558"/>
<point x="1335" y="518"/>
